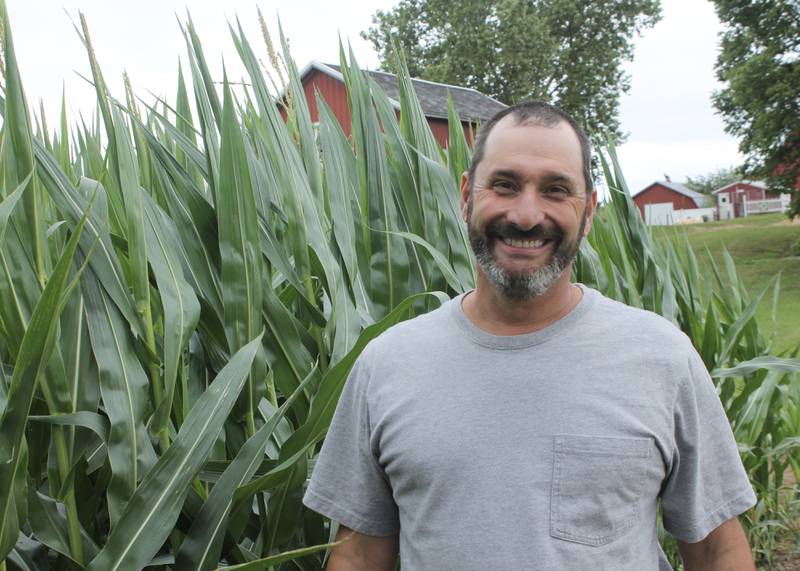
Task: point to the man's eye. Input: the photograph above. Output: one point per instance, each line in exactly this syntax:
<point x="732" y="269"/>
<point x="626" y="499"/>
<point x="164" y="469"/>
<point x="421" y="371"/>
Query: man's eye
<point x="557" y="190"/>
<point x="503" y="185"/>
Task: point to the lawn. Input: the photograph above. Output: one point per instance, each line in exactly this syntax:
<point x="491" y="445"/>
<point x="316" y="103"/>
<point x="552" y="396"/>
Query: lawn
<point x="761" y="246"/>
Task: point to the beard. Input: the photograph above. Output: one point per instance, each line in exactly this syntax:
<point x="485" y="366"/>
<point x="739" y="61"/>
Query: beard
<point x="522" y="286"/>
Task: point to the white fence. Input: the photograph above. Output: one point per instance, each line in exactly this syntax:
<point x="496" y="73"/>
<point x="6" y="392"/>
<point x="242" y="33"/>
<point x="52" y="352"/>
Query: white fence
<point x="663" y="214"/>
<point x="764" y="206"/>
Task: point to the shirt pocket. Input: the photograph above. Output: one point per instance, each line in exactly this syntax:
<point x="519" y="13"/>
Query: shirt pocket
<point x="597" y="483"/>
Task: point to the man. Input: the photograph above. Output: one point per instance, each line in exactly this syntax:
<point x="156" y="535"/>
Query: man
<point x="531" y="423"/>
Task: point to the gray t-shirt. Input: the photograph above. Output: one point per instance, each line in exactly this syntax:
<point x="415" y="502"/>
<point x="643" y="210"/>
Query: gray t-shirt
<point x="547" y="450"/>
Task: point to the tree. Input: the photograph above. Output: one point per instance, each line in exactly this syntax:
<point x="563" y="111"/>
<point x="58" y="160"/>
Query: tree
<point x="708" y="183"/>
<point x="759" y="66"/>
<point x="566" y="52"/>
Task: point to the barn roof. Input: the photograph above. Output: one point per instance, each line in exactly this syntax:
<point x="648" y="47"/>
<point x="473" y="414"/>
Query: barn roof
<point x="755" y="183"/>
<point x="472" y="105"/>
<point x="697" y="197"/>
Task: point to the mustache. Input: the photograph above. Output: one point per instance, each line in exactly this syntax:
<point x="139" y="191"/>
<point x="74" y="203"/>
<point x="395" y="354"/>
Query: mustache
<point x="514" y="232"/>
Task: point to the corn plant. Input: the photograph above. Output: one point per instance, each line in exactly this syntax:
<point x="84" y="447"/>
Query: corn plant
<point x="760" y="392"/>
<point x="186" y="285"/>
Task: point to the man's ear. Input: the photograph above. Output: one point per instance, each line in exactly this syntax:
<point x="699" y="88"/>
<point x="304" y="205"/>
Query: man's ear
<point x="591" y="208"/>
<point x="464" y="194"/>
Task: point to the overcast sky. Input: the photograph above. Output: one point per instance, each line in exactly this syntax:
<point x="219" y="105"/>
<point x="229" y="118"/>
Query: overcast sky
<point x="668" y="113"/>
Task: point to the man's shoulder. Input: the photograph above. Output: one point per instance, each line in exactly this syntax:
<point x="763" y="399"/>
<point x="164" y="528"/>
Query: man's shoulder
<point x="413" y="333"/>
<point x="639" y="325"/>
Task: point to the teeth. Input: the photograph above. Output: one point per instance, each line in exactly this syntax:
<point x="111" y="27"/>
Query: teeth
<point x="524" y="243"/>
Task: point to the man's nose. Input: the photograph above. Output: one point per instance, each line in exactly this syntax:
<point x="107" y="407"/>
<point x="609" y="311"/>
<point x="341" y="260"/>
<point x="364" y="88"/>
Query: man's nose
<point x="527" y="209"/>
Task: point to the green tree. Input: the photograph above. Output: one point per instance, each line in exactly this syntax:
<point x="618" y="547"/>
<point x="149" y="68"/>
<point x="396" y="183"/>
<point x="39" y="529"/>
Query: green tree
<point x="566" y="52"/>
<point x="759" y="66"/>
<point x="708" y="183"/>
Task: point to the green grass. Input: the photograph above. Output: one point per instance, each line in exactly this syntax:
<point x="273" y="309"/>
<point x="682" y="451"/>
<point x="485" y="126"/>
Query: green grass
<point x="761" y="246"/>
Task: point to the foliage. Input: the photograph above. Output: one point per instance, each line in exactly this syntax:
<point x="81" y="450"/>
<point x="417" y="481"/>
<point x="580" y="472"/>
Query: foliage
<point x="708" y="183"/>
<point x="762" y="246"/>
<point x="173" y="345"/>
<point x="759" y="66"/>
<point x="561" y="51"/>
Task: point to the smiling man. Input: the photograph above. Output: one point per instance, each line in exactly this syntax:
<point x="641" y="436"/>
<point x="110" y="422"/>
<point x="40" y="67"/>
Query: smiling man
<point x="531" y="423"/>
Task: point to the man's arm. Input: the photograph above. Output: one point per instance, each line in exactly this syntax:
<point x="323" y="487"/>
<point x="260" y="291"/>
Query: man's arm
<point x="724" y="549"/>
<point x="361" y="552"/>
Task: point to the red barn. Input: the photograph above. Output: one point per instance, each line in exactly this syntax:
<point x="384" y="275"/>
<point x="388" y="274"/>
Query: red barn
<point x="731" y="198"/>
<point x="473" y="106"/>
<point x="660" y="192"/>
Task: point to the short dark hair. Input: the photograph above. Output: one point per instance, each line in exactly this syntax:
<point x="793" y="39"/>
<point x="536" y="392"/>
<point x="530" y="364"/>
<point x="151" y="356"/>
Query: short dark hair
<point x="538" y="113"/>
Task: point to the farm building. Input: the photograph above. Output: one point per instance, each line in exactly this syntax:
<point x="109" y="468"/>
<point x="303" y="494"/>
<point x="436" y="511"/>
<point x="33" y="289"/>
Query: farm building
<point x="744" y="197"/>
<point x="666" y="202"/>
<point x="473" y="106"/>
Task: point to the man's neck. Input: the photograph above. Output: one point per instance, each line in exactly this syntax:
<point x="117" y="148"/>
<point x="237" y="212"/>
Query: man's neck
<point x="490" y="311"/>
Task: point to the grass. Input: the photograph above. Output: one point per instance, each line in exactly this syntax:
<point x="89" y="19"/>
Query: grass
<point x="761" y="246"/>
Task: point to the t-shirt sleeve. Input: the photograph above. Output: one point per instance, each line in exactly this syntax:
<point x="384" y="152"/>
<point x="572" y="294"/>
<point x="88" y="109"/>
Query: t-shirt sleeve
<point x="348" y="484"/>
<point x="707" y="484"/>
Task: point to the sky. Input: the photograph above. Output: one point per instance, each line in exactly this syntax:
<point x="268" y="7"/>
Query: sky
<point x="671" y="125"/>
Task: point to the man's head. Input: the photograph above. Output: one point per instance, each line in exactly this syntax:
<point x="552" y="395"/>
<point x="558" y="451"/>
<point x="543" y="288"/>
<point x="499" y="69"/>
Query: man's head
<point x="537" y="113"/>
<point x="528" y="198"/>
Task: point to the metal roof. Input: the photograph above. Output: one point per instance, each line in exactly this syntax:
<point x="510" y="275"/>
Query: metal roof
<point x="472" y="105"/>
<point x="697" y="197"/>
<point x="755" y="183"/>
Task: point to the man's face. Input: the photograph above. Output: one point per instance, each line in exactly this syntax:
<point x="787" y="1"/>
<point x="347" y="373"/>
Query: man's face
<point x="527" y="209"/>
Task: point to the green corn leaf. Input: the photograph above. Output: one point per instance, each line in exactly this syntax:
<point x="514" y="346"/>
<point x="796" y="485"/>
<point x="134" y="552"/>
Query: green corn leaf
<point x="128" y="176"/>
<point x="195" y="165"/>
<point x="240" y="252"/>
<point x="83" y="384"/>
<point x="458" y="150"/>
<point x="766" y="363"/>
<point x="181" y="310"/>
<point x="274" y="560"/>
<point x="8" y="204"/>
<point x="27" y="555"/>
<point x="442" y="263"/>
<point x="49" y="525"/>
<point x="93" y="421"/>
<point x="451" y="225"/>
<point x="18" y="160"/>
<point x="34" y="355"/>
<point x="286" y="354"/>
<point x="340" y="166"/>
<point x="200" y="550"/>
<point x="183" y="119"/>
<point x="195" y="222"/>
<point x="71" y="203"/>
<point x="208" y="107"/>
<point x="302" y="119"/>
<point x="711" y="337"/>
<point x="153" y="509"/>
<point x="64" y="157"/>
<point x="753" y="416"/>
<point x="744" y="319"/>
<point x="124" y="389"/>
<point x="669" y="305"/>
<point x="203" y="75"/>
<point x="238" y="228"/>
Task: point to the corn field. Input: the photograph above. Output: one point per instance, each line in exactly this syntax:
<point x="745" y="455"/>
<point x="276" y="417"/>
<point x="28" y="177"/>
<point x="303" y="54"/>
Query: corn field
<point x="185" y="287"/>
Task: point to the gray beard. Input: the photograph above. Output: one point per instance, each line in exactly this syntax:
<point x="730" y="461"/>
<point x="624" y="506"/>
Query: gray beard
<point x="522" y="287"/>
<point x="519" y="287"/>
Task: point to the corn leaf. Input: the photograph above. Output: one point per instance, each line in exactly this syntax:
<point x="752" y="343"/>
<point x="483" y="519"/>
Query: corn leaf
<point x="153" y="509"/>
<point x="34" y="355"/>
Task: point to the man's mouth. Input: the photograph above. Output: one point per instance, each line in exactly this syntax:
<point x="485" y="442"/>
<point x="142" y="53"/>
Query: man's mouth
<point x="532" y="244"/>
